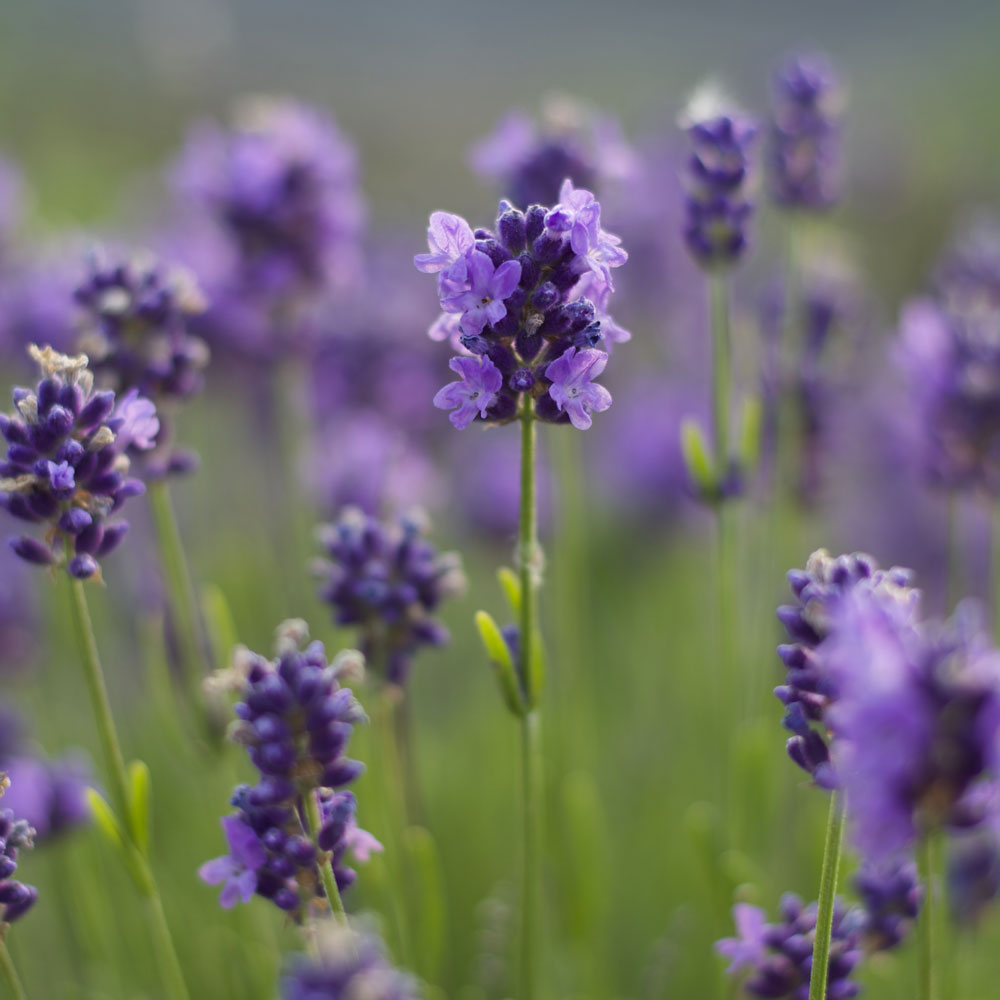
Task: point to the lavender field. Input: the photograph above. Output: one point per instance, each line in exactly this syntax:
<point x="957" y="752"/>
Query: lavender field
<point x="499" y="504"/>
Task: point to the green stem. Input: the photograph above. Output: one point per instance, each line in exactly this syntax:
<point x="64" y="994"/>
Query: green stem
<point x="10" y="975"/>
<point x="927" y="988"/>
<point x="827" y="894"/>
<point x="183" y="600"/>
<point x="115" y="766"/>
<point x="529" y="566"/>
<point x="325" y="858"/>
<point x="718" y="283"/>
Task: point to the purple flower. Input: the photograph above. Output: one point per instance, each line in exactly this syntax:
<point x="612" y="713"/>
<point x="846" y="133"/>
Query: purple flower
<point x="916" y="722"/>
<point x="810" y="689"/>
<point x="572" y="387"/>
<point x="139" y="422"/>
<point x="480" y="290"/>
<point x="474" y="394"/>
<point x="804" y="153"/>
<point x="16" y="898"/>
<point x="349" y="965"/>
<point x="750" y="947"/>
<point x="49" y="794"/>
<point x="237" y="870"/>
<point x="523" y="298"/>
<point x="64" y="467"/>
<point x="530" y="160"/>
<point x="450" y="238"/>
<point x="387" y="579"/>
<point x="778" y="956"/>
<point x="716" y="179"/>
<point x="890" y="902"/>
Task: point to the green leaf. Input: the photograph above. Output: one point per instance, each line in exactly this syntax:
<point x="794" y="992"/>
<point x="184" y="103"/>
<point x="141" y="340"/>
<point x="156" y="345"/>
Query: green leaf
<point x="750" y="433"/>
<point x="585" y="856"/>
<point x="697" y="457"/>
<point x="219" y="624"/>
<point x="140" y="793"/>
<point x="499" y="656"/>
<point x="105" y="818"/>
<point x="511" y="587"/>
<point x="427" y="889"/>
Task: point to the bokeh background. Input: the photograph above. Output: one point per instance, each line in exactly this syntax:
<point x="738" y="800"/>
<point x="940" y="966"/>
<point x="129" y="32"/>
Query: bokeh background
<point x="95" y="100"/>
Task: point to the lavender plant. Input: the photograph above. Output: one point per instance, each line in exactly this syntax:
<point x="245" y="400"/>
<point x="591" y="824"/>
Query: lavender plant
<point x="65" y="468"/>
<point x="527" y="304"/>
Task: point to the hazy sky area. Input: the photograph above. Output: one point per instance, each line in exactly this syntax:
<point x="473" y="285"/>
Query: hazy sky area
<point x="94" y="94"/>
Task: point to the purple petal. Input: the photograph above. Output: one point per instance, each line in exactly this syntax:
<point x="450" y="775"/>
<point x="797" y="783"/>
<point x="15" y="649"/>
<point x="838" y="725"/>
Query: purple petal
<point x="217" y="870"/>
<point x="244" y="845"/>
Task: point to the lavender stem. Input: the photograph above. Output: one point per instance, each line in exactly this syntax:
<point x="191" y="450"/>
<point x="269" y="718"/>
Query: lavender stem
<point x="529" y="566"/>
<point x="827" y="894"/>
<point x="10" y="975"/>
<point x="325" y="864"/>
<point x="927" y="988"/>
<point x="115" y="765"/>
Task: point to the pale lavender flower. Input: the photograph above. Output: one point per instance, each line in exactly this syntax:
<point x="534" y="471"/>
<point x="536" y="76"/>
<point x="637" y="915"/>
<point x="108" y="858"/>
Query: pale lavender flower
<point x="139" y="422"/>
<point x="236" y="871"/>
<point x="480" y="290"/>
<point x="474" y="394"/>
<point x="573" y="388"/>
<point x="449" y="238"/>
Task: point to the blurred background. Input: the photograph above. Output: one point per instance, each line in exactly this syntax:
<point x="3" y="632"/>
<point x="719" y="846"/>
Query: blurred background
<point x="96" y="100"/>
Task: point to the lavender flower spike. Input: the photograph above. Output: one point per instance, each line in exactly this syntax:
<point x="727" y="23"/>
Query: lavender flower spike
<point x="65" y="466"/>
<point x="804" y="154"/>
<point x="16" y="898"/>
<point x="350" y="966"/>
<point x="717" y="178"/>
<point x="573" y="389"/>
<point x="474" y="394"/>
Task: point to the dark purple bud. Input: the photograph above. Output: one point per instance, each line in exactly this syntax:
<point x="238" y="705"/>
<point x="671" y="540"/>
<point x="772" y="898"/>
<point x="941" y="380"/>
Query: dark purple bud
<point x="97" y="409"/>
<point x="32" y="551"/>
<point x="82" y="567"/>
<point x="75" y="520"/>
<point x="546" y="296"/>
<point x="512" y="228"/>
<point x="523" y="380"/>
<point x="114" y="535"/>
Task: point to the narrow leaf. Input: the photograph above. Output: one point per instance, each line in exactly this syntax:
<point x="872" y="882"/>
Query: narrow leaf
<point x="499" y="656"/>
<point x="139" y="804"/>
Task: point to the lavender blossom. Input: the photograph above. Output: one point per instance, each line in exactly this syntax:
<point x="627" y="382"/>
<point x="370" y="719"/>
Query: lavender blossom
<point x="916" y="722"/>
<point x="16" y="898"/>
<point x="717" y="179"/>
<point x="525" y="300"/>
<point x="805" y="143"/>
<point x="890" y="903"/>
<point x="349" y="965"/>
<point x="809" y="689"/>
<point x="973" y="874"/>
<point x="64" y="467"/>
<point x="278" y="216"/>
<point x="295" y="721"/>
<point x="949" y="349"/>
<point x="531" y="159"/>
<point x="50" y="794"/>
<point x="776" y="958"/>
<point x="387" y="580"/>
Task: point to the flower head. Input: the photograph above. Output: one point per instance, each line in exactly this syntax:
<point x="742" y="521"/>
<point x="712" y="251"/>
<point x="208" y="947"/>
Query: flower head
<point x="16" y="898"/>
<point x="810" y="688"/>
<point x="64" y="466"/>
<point x="349" y="965"/>
<point x="295" y="721"/>
<point x="776" y="958"/>
<point x="804" y="153"/>
<point x="387" y="579"/>
<point x="717" y="178"/>
<point x="528" y="297"/>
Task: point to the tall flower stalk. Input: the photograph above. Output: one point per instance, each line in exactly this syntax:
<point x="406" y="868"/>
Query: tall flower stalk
<point x="526" y="303"/>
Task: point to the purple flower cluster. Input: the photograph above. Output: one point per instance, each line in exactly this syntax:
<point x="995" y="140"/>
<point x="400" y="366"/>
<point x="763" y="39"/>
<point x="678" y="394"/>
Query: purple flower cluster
<point x="16" y="898"/>
<point x="777" y="957"/>
<point x="890" y="903"/>
<point x="66" y="464"/>
<point x="809" y="689"/>
<point x="528" y="303"/>
<point x="805" y="144"/>
<point x="135" y="317"/>
<point x="387" y="579"/>
<point x="279" y="192"/>
<point x="295" y="721"/>
<point x="717" y="179"/>
<point x="531" y="160"/>
<point x="349" y="965"/>
<point x="949" y="348"/>
<point x="916" y="722"/>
